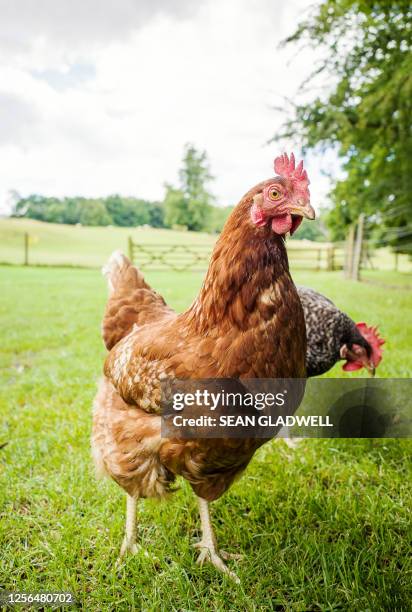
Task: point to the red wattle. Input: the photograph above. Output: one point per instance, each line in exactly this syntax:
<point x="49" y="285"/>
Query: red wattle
<point x="282" y="224"/>
<point x="351" y="366"/>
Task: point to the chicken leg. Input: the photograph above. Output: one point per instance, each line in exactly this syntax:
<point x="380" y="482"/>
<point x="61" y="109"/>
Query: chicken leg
<point x="129" y="541"/>
<point x="208" y="544"/>
<point x="129" y="544"/>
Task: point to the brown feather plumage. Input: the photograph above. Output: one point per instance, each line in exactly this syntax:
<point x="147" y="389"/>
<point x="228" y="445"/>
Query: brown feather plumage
<point x="247" y="322"/>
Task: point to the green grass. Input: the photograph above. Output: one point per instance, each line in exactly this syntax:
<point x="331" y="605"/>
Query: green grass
<point x="387" y="278"/>
<point x="71" y="245"/>
<point x="324" y="527"/>
<point x="56" y="244"/>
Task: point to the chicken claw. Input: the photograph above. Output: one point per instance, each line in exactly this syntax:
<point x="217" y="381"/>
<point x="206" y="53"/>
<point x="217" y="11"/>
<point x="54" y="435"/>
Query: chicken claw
<point x="129" y="546"/>
<point x="227" y="556"/>
<point x="208" y="545"/>
<point x="208" y="553"/>
<point x="134" y="549"/>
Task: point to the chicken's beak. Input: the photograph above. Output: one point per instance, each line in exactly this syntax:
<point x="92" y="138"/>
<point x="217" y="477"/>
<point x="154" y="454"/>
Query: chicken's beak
<point x="369" y="365"/>
<point x="303" y="208"/>
<point x="362" y="360"/>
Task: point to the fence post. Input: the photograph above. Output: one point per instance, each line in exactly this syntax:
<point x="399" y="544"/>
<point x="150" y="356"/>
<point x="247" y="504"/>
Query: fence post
<point x="349" y="252"/>
<point x="396" y="261"/>
<point x="358" y="248"/>
<point x="330" y="266"/>
<point x="26" y="248"/>
<point x="130" y="248"/>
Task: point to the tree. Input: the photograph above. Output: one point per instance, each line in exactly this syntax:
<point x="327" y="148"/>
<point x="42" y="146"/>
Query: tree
<point x="190" y="204"/>
<point x="41" y="208"/>
<point x="218" y="217"/>
<point x="175" y="206"/>
<point x="128" y="212"/>
<point x="93" y="212"/>
<point x="313" y="230"/>
<point x="194" y="176"/>
<point x="157" y="214"/>
<point x="54" y="211"/>
<point x="363" y="111"/>
<point x="72" y="210"/>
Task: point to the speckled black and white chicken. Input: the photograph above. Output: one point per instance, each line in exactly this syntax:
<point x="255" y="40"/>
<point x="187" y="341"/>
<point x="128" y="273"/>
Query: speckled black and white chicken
<point x="332" y="335"/>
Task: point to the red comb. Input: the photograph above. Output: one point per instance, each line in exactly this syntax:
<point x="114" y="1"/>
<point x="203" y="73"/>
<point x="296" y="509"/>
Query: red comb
<point x="371" y="334"/>
<point x="287" y="168"/>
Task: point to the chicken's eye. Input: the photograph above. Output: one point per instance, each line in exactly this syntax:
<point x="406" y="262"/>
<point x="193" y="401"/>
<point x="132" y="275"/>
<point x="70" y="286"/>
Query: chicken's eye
<point x="274" y="194"/>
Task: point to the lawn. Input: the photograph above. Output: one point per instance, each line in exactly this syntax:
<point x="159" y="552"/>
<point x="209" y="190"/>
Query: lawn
<point x="54" y="244"/>
<point x="323" y="527"/>
<point x="73" y="245"/>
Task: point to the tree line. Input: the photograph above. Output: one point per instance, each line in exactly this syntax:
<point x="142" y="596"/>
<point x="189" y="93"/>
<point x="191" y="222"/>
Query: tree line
<point x="113" y="210"/>
<point x="189" y="205"/>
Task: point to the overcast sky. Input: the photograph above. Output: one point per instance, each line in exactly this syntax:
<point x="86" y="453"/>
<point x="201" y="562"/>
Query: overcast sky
<point x="100" y="96"/>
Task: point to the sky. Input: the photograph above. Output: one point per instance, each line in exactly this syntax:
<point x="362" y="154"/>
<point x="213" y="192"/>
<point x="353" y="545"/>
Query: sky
<point x="100" y="97"/>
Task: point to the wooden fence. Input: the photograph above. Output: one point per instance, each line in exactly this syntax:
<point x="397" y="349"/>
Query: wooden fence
<point x="182" y="257"/>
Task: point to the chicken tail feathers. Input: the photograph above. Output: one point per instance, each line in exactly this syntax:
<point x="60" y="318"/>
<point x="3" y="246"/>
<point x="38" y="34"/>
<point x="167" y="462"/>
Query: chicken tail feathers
<point x="121" y="274"/>
<point x="131" y="300"/>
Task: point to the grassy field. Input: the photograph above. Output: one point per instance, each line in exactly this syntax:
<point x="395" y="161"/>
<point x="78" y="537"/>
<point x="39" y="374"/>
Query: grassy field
<point x="324" y="527"/>
<point x="71" y="245"/>
<point x="54" y="244"/>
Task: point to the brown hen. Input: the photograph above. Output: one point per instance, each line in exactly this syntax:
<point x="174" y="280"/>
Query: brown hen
<point x="247" y="322"/>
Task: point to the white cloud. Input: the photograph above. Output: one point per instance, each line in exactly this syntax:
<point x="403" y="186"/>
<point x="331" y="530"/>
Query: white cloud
<point x="31" y="27"/>
<point x="98" y="100"/>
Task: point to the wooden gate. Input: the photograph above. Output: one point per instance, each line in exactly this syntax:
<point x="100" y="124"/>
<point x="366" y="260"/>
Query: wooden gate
<point x="182" y="257"/>
<point x="177" y="257"/>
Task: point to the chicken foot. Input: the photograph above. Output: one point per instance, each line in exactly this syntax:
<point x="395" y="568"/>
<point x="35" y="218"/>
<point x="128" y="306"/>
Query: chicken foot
<point x="208" y="544"/>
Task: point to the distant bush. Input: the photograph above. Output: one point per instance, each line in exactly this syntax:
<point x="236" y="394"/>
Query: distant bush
<point x="113" y="210"/>
<point x="94" y="212"/>
<point x="117" y="210"/>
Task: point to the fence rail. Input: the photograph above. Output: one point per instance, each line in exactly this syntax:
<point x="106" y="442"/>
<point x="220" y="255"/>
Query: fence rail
<point x="29" y="249"/>
<point x="180" y="257"/>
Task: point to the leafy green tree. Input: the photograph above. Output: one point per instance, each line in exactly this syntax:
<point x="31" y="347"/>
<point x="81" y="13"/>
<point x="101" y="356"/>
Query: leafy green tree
<point x="93" y="212"/>
<point x="55" y="211"/>
<point x="128" y="212"/>
<point x="363" y="110"/>
<point x="194" y="177"/>
<point x="175" y="206"/>
<point x="157" y="214"/>
<point x="311" y="230"/>
<point x="114" y="206"/>
<point x="51" y="210"/>
<point x="72" y="208"/>
<point x="34" y="207"/>
<point x="190" y="205"/>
